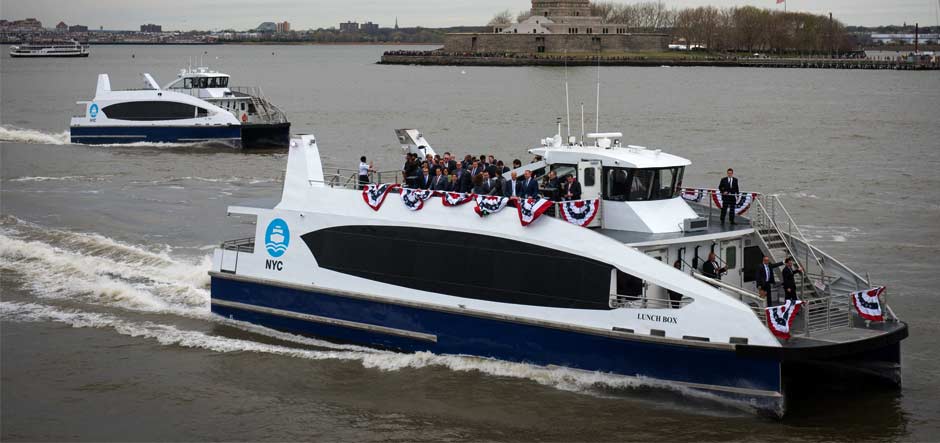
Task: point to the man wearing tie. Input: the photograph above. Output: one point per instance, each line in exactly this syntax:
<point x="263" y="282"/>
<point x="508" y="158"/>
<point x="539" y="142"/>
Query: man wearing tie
<point x="462" y="181"/>
<point x="512" y="187"/>
<point x="765" y="278"/>
<point x="530" y="186"/>
<point x="573" y="189"/>
<point x="728" y="187"/>
<point x="440" y="180"/>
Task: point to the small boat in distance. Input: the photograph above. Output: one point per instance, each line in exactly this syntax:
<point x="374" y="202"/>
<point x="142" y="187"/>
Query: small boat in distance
<point x="197" y="107"/>
<point x="70" y="49"/>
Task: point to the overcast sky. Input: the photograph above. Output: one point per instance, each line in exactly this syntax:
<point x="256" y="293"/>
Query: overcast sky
<point x="304" y="14"/>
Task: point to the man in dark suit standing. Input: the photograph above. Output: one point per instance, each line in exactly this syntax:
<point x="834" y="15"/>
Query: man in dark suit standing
<point x="439" y="183"/>
<point x="424" y="179"/>
<point x="477" y="169"/>
<point x="765" y="278"/>
<point x="574" y="189"/>
<point x="512" y="187"/>
<point x="530" y="186"/>
<point x="728" y="187"/>
<point x="712" y="269"/>
<point x="789" y="282"/>
<point x="462" y="182"/>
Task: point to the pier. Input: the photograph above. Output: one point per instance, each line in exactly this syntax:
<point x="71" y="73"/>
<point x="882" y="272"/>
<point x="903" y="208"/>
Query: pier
<point x="439" y="58"/>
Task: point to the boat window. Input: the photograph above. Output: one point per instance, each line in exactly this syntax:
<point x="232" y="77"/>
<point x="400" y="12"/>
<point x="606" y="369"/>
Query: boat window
<point x="562" y="170"/>
<point x="202" y="112"/>
<point x="243" y="106"/>
<point x="203" y="82"/>
<point x="624" y="184"/>
<point x="188" y="83"/>
<point x="629" y="285"/>
<point x="223" y="82"/>
<point x="589" y="174"/>
<point x="486" y="267"/>
<point x="149" y="111"/>
<point x="212" y="82"/>
<point x="252" y="109"/>
<point x="731" y="257"/>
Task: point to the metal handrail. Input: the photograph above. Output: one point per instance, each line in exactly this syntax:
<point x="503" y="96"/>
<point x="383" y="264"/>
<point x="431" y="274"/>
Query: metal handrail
<point x="741" y="293"/>
<point x="792" y="224"/>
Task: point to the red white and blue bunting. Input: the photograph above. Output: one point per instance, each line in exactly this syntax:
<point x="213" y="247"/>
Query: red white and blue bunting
<point x="414" y="198"/>
<point x="868" y="304"/>
<point x="531" y="208"/>
<point x="374" y="195"/>
<point x="489" y="204"/>
<point x="693" y="195"/>
<point x="742" y="202"/>
<point x="579" y="212"/>
<point x="780" y="318"/>
<point x="455" y="198"/>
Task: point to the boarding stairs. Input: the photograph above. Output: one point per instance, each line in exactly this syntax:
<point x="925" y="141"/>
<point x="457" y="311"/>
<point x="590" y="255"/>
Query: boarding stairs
<point x="822" y="288"/>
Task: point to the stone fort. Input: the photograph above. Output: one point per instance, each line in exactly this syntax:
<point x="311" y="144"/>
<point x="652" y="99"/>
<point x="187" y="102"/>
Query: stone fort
<point x="557" y="26"/>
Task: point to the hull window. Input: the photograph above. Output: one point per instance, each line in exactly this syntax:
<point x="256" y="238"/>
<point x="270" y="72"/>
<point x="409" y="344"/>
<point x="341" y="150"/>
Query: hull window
<point x="464" y="265"/>
<point x="149" y="111"/>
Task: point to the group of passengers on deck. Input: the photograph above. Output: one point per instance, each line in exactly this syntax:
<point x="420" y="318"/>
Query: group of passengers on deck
<point x="484" y="175"/>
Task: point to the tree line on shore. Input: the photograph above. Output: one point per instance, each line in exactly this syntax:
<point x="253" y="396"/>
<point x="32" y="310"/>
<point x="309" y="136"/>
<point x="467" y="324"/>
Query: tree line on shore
<point x="736" y="28"/>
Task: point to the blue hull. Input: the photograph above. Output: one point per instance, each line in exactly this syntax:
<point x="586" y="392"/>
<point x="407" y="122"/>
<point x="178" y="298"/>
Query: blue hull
<point x="719" y="371"/>
<point x="99" y="135"/>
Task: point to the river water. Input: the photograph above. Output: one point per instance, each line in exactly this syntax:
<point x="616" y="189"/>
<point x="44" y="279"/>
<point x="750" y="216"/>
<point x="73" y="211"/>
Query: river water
<point x="104" y="318"/>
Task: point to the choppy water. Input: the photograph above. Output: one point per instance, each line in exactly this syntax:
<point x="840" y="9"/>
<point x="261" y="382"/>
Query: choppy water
<point x="104" y="326"/>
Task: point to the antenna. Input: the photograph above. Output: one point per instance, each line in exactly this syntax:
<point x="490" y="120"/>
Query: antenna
<point x="567" y="105"/>
<point x="582" y="123"/>
<point x="597" y="114"/>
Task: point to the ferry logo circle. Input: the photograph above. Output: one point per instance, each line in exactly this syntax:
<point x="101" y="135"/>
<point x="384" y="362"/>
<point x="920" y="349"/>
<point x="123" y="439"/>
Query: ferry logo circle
<point x="93" y="110"/>
<point x="277" y="237"/>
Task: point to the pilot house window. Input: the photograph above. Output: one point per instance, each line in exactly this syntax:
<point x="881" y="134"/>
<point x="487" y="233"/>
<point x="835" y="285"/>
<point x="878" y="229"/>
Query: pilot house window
<point x="623" y="184"/>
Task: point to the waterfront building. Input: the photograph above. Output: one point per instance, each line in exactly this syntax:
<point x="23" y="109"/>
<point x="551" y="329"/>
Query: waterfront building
<point x="349" y="27"/>
<point x="369" y="28"/>
<point x="283" y="27"/>
<point x="557" y="26"/>
<point x="150" y="27"/>
<point x="78" y="28"/>
<point x="267" y="27"/>
<point x="61" y="27"/>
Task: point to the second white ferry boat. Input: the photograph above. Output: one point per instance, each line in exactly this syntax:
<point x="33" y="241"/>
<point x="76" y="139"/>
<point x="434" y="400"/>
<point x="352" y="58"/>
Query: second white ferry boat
<point x="611" y="283"/>
<point x="198" y="107"/>
<point x="41" y="50"/>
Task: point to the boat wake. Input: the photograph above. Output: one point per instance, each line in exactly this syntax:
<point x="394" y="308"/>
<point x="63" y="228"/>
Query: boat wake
<point x="34" y="137"/>
<point x="31" y="136"/>
<point x="92" y="281"/>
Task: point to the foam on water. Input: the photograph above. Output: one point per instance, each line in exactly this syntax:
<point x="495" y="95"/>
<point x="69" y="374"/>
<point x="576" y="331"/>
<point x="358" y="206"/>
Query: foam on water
<point x="31" y="136"/>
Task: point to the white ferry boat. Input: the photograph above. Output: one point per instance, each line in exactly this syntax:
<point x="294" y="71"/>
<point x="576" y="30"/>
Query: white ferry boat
<point x="71" y="49"/>
<point x="612" y="283"/>
<point x="198" y="107"/>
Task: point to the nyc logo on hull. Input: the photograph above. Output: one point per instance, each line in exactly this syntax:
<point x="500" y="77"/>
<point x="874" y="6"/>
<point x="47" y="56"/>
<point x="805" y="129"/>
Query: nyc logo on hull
<point x="276" y="241"/>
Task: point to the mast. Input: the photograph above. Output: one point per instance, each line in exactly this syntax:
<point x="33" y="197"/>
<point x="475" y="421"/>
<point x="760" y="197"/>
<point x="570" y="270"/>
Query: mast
<point x="567" y="102"/>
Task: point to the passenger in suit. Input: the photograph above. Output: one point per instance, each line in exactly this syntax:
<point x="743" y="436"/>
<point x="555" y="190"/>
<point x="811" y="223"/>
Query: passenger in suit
<point x="789" y="282"/>
<point x="423" y="181"/>
<point x="452" y="185"/>
<point x="530" y="186"/>
<point x="497" y="186"/>
<point x="476" y="169"/>
<point x="439" y="183"/>
<point x="512" y="187"/>
<point x="728" y="187"/>
<point x="574" y="189"/>
<point x="553" y="187"/>
<point x="712" y="269"/>
<point x="765" y="278"/>
<point x="462" y="179"/>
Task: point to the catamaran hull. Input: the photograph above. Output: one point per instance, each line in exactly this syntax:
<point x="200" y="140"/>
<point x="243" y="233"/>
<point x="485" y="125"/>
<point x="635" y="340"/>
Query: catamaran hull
<point x="263" y="136"/>
<point x="99" y="135"/>
<point x="369" y="320"/>
<point x="70" y="55"/>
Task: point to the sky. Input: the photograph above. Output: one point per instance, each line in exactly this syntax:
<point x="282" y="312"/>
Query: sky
<point x="307" y="14"/>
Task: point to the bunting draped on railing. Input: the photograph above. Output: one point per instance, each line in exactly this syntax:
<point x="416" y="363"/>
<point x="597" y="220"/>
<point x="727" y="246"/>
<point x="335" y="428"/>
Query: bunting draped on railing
<point x="414" y="198"/>
<point x="868" y="304"/>
<point x="374" y="195"/>
<point x="489" y="204"/>
<point x="780" y="318"/>
<point x="742" y="201"/>
<point x="579" y="212"/>
<point x="531" y="208"/>
<point x="455" y="198"/>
